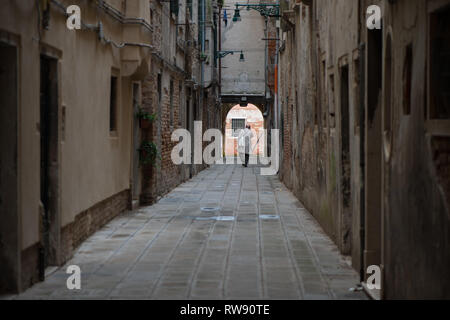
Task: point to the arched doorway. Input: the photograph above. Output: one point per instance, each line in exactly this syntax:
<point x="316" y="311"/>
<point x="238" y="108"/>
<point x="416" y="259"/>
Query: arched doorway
<point x="236" y="119"/>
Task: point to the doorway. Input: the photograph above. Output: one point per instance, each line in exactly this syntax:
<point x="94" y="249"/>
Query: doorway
<point x="346" y="196"/>
<point x="189" y="126"/>
<point x="49" y="169"/>
<point x="9" y="217"/>
<point x="136" y="185"/>
<point x="236" y="120"/>
<point x="373" y="169"/>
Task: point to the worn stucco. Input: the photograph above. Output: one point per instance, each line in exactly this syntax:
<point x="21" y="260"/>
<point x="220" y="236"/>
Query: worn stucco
<point x="93" y="163"/>
<point x="397" y="186"/>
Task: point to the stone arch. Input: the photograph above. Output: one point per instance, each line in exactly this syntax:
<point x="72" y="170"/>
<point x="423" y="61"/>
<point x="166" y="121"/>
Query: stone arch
<point x="252" y="115"/>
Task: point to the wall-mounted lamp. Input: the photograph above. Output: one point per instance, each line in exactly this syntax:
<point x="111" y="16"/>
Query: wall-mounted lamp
<point x="241" y="57"/>
<point x="265" y="9"/>
<point x="222" y="54"/>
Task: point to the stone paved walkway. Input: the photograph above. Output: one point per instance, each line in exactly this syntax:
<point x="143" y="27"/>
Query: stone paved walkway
<point x="228" y="233"/>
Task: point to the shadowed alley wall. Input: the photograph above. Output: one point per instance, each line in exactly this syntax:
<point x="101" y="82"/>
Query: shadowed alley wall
<point x="366" y="135"/>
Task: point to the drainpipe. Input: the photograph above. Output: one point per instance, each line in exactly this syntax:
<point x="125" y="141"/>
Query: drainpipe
<point x="362" y="137"/>
<point x="266" y="65"/>
<point x="362" y="154"/>
<point x="277" y="111"/>
<point x="220" y="49"/>
<point x="202" y="65"/>
<point x="275" y="98"/>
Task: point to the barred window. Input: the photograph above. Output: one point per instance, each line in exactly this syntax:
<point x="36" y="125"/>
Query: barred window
<point x="237" y="125"/>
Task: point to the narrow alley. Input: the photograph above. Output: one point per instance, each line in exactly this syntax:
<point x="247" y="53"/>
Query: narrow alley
<point x="115" y="117"/>
<point x="228" y="233"/>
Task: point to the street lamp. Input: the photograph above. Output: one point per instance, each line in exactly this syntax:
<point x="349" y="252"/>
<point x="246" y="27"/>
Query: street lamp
<point x="222" y="54"/>
<point x="241" y="57"/>
<point x="265" y="9"/>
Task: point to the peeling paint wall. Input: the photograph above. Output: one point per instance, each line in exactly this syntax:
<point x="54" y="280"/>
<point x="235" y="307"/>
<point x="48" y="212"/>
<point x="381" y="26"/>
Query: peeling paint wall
<point x="387" y="202"/>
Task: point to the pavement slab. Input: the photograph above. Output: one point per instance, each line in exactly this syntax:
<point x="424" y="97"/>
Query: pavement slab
<point x="228" y="233"/>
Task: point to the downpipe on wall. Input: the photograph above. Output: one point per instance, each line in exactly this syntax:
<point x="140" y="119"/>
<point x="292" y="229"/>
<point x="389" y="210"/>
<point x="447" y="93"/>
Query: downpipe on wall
<point x="202" y="64"/>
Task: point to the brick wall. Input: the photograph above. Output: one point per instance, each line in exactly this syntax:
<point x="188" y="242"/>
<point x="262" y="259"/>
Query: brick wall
<point x="160" y="179"/>
<point x="91" y="220"/>
<point x="165" y="175"/>
<point x="73" y="234"/>
<point x="170" y="173"/>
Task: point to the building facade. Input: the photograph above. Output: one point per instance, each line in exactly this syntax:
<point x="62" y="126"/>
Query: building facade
<point x="365" y="134"/>
<point x="180" y="89"/>
<point x="86" y="119"/>
<point x="249" y="81"/>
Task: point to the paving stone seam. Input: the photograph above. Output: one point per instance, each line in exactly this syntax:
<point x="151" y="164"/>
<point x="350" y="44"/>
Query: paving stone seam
<point x="300" y="286"/>
<point x="100" y="265"/>
<point x="311" y="249"/>
<point x="230" y="245"/>
<point x="204" y="246"/>
<point x="308" y="253"/>
<point x="260" y="243"/>
<point x="186" y="230"/>
<point x="146" y="248"/>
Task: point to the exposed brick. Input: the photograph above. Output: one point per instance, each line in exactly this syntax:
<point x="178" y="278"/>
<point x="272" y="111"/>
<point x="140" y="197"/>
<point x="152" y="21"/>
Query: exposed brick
<point x="91" y="220"/>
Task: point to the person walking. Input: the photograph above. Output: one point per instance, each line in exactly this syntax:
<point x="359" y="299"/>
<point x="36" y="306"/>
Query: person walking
<point x="244" y="143"/>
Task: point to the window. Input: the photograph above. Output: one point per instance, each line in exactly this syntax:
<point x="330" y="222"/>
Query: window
<point x="387" y="107"/>
<point x="440" y="65"/>
<point x="237" y="125"/>
<point x="356" y="95"/>
<point x="215" y="42"/>
<point x="171" y="103"/>
<point x="282" y="125"/>
<point x="297" y="110"/>
<point x="189" y="6"/>
<point x="159" y="87"/>
<point x="174" y="7"/>
<point x="407" y="78"/>
<point x="113" y="105"/>
<point x="180" y="105"/>
<point x="323" y="80"/>
<point x="200" y="22"/>
<point x="388" y="87"/>
<point x="331" y="101"/>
